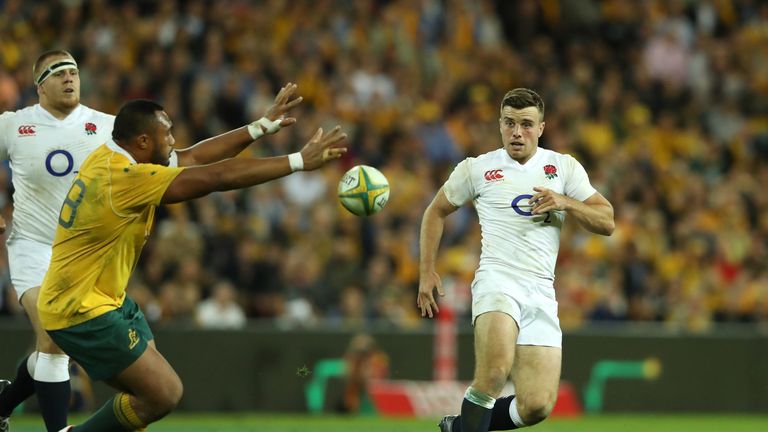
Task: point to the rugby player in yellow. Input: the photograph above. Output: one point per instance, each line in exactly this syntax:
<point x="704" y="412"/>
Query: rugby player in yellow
<point x="46" y="144"/>
<point x="103" y="225"/>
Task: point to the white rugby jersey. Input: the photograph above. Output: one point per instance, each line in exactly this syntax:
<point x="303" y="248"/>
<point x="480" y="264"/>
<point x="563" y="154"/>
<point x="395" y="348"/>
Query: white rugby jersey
<point x="45" y="154"/>
<point x="512" y="237"/>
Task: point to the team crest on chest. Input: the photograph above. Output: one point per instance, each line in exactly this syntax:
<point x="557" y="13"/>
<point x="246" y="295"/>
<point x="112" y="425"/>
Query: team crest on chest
<point x="550" y="171"/>
<point x="493" y="175"/>
<point x="26" y="130"/>
<point x="90" y="129"/>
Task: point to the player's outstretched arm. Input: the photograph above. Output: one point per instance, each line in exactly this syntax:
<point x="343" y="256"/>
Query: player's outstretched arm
<point x="237" y="173"/>
<point x="429" y="241"/>
<point x="231" y="143"/>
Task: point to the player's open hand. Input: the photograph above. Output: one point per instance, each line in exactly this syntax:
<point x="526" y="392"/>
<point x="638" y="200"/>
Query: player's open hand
<point x="323" y="148"/>
<point x="283" y="104"/>
<point x="545" y="200"/>
<point x="428" y="282"/>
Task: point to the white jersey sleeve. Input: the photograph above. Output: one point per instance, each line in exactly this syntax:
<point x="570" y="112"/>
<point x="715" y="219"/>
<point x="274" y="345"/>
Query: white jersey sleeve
<point x="6" y="124"/>
<point x="577" y="184"/>
<point x="459" y="188"/>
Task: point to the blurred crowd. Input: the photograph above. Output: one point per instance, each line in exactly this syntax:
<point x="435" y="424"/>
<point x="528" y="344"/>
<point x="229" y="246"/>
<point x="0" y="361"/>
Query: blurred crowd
<point x="664" y="102"/>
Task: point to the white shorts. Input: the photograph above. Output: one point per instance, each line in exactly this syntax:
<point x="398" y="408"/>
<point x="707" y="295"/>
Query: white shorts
<point x="528" y="300"/>
<point x="28" y="261"/>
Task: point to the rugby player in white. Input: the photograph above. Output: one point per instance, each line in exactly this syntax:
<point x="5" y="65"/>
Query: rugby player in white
<point x="46" y="143"/>
<point x="522" y="194"/>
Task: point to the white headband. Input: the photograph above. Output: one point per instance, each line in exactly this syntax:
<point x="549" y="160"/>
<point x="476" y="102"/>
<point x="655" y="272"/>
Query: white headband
<point x="58" y="66"/>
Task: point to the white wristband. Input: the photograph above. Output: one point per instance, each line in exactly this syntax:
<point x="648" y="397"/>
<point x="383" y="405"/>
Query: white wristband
<point x="296" y="161"/>
<point x="262" y="126"/>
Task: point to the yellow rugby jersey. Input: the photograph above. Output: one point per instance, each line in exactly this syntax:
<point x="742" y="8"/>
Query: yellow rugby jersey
<point x="104" y="222"/>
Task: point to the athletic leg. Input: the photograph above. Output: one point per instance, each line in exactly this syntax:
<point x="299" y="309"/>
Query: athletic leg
<point x="495" y="337"/>
<point x="51" y="375"/>
<point x="535" y="363"/>
<point x="150" y="389"/>
<point x="536" y="375"/>
<point x="19" y="389"/>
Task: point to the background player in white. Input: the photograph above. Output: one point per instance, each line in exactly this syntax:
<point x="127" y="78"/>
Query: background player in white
<point x="522" y="194"/>
<point x="46" y="143"/>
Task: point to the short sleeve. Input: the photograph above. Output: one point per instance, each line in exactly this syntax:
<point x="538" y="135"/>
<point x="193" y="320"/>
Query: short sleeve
<point x="459" y="188"/>
<point x="134" y="187"/>
<point x="6" y="132"/>
<point x="577" y="185"/>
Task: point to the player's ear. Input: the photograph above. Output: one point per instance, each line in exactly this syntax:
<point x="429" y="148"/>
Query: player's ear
<point x="143" y="141"/>
<point x="541" y="128"/>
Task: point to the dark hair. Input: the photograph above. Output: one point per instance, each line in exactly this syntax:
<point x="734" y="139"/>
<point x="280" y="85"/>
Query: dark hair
<point x="43" y="58"/>
<point x="135" y="118"/>
<point x="520" y="98"/>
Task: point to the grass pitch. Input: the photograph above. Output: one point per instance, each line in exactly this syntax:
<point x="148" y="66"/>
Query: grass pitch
<point x="184" y="422"/>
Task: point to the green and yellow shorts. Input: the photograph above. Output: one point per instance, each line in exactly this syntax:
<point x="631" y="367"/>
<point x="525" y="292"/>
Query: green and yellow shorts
<point x="106" y="345"/>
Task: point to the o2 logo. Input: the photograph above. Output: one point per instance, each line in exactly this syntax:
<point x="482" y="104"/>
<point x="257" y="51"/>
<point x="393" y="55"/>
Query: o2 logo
<point x="59" y="163"/>
<point x="516" y="206"/>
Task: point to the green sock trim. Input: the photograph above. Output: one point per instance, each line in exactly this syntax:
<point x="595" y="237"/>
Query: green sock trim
<point x="125" y="413"/>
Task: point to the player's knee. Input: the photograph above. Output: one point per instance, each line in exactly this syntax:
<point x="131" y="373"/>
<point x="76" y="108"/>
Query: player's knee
<point x="162" y="400"/>
<point x="535" y="408"/>
<point x="178" y="392"/>
<point x="160" y="403"/>
<point x="169" y="398"/>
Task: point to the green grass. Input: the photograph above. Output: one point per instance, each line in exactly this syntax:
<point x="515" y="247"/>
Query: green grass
<point x="303" y="423"/>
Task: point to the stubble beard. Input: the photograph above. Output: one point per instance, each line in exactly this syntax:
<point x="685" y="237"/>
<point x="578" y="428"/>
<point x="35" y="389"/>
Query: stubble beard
<point x="66" y="105"/>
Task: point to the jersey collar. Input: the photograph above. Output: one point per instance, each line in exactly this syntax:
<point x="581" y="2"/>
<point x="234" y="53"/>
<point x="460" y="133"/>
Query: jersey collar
<point x="516" y="165"/>
<point x="112" y="145"/>
<point x="44" y="115"/>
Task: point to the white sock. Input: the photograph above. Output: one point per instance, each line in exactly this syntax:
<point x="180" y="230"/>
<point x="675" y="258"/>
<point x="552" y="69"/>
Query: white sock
<point x="479" y="398"/>
<point x="514" y="415"/>
<point x="31" y="362"/>
<point x="52" y="368"/>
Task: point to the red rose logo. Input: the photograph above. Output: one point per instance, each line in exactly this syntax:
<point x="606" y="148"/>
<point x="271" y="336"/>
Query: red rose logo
<point x="550" y="171"/>
<point x="90" y="129"/>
